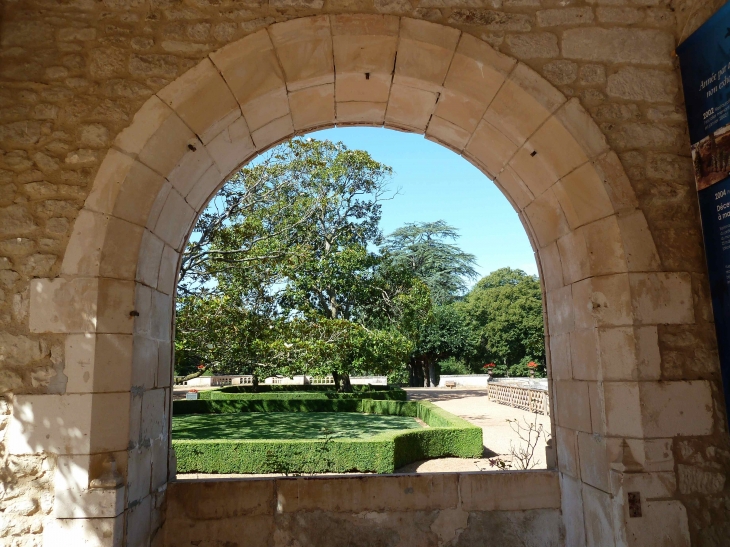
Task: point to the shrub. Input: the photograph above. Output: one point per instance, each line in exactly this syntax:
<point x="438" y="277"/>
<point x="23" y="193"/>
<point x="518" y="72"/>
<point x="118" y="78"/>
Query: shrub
<point x="269" y="388"/>
<point x="452" y="365"/>
<point x="223" y="406"/>
<point x="391" y="394"/>
<point x="281" y="456"/>
<point x="448" y="435"/>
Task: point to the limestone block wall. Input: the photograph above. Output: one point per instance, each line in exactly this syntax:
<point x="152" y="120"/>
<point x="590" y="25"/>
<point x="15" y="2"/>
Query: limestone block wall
<point x="74" y="72"/>
<point x="511" y="509"/>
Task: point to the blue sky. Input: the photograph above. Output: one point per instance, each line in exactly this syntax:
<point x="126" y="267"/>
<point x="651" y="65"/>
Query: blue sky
<point x="437" y="184"/>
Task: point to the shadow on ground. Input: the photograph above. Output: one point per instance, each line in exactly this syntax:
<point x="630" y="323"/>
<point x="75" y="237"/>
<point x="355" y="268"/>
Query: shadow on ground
<point x="426" y="394"/>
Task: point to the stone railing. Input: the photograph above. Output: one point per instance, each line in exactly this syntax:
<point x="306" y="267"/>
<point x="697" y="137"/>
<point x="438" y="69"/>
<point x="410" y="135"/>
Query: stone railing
<point x="322" y="381"/>
<point x="369" y="380"/>
<point x="523" y="397"/>
<point x="354" y="380"/>
<point x="464" y="380"/>
<point x="217" y="381"/>
<point x="247" y="380"/>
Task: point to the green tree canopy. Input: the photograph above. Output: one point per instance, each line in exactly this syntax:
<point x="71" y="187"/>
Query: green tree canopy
<point x="281" y="263"/>
<point x="425" y="248"/>
<point x="330" y="264"/>
<point x="251" y="224"/>
<point x="505" y="307"/>
<point x="287" y="273"/>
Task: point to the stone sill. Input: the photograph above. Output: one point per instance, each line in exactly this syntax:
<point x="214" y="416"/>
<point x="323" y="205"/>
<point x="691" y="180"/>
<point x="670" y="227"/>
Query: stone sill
<point x="227" y="497"/>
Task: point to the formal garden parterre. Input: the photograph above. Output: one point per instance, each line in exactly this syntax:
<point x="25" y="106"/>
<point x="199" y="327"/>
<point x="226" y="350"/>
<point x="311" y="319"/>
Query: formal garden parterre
<point x="314" y="432"/>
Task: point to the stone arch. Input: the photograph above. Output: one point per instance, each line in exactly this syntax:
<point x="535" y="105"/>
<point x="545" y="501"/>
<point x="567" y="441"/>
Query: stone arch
<point x="604" y="289"/>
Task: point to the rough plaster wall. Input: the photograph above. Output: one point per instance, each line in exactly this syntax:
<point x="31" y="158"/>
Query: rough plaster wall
<point x="73" y="72"/>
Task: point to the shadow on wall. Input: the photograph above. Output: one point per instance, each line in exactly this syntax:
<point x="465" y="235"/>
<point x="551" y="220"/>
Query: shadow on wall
<point x="46" y="425"/>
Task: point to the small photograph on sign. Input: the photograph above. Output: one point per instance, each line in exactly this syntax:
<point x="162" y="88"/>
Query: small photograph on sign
<point x="711" y="158"/>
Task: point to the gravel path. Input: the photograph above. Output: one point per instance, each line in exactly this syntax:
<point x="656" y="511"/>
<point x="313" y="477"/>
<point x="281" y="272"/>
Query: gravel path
<point x="474" y="406"/>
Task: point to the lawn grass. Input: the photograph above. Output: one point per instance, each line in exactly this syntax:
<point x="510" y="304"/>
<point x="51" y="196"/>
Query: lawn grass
<point x="286" y="425"/>
<point x="285" y="435"/>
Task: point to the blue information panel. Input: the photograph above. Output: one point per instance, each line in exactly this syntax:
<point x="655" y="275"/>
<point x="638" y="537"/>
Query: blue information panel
<point x="705" y="62"/>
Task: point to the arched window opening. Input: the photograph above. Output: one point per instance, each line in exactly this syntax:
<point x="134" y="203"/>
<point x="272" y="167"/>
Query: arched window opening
<point x="332" y="298"/>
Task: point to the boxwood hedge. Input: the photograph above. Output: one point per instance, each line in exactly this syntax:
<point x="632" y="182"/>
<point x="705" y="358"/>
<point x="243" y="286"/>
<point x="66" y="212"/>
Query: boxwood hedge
<point x="447" y="435"/>
<point x="223" y="406"/>
<point x="279" y="388"/>
<point x="389" y="395"/>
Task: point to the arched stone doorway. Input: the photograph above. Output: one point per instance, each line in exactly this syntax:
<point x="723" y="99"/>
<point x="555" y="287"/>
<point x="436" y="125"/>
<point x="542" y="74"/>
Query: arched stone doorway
<point x="605" y="291"/>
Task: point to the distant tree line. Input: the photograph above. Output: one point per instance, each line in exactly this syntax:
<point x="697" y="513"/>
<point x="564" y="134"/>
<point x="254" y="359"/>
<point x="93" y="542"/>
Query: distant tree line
<point x="287" y="272"/>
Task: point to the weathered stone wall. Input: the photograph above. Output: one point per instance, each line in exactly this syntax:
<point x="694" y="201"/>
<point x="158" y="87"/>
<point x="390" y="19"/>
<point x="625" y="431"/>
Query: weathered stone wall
<point x="511" y="509"/>
<point x="73" y="73"/>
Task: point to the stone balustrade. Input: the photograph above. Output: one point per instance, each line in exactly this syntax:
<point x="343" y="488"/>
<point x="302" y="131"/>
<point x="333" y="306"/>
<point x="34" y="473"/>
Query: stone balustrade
<point x="525" y="397"/>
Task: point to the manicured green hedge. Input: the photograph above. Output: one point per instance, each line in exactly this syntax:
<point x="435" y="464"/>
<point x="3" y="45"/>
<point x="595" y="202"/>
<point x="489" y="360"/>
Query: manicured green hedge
<point x="448" y="435"/>
<point x="274" y="388"/>
<point x="264" y="405"/>
<point x="391" y="394"/>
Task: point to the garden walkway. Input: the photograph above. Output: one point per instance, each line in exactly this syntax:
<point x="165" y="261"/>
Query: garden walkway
<point x="473" y="405"/>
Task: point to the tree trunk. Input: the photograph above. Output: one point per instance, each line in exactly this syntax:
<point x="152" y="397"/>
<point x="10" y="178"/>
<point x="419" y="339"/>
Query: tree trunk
<point x="432" y="372"/>
<point x="336" y="377"/>
<point x="417" y="378"/>
<point x="255" y="382"/>
<point x="346" y="386"/>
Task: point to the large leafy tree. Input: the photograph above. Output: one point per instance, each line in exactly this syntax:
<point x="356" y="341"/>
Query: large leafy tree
<point x="281" y="260"/>
<point x="227" y="297"/>
<point x="505" y="307"/>
<point x="429" y="250"/>
<point x="401" y="303"/>
<point x="332" y="263"/>
<point x="331" y="271"/>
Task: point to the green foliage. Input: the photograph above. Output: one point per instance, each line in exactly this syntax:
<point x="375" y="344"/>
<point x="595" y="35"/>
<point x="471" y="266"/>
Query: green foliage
<point x="522" y="368"/>
<point x="399" y="377"/>
<point x="453" y="365"/>
<point x="447" y="435"/>
<point x="448" y="335"/>
<point x="279" y="456"/>
<point x="278" y="278"/>
<point x="505" y="310"/>
<point x="224" y="406"/>
<point x="390" y="395"/>
<point x="422" y="248"/>
<point x="219" y="331"/>
<point x="328" y="272"/>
